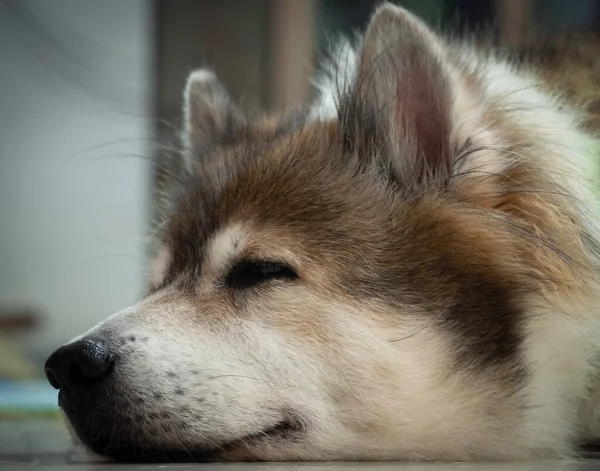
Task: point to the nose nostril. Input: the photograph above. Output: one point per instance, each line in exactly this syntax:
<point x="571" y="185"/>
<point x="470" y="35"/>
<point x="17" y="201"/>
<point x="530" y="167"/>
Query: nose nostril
<point x="76" y="374"/>
<point x="79" y="365"/>
<point x="83" y="373"/>
<point x="52" y="378"/>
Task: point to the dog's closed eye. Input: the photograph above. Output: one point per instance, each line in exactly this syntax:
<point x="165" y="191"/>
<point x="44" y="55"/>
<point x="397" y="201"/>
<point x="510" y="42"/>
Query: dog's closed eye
<point x="249" y="273"/>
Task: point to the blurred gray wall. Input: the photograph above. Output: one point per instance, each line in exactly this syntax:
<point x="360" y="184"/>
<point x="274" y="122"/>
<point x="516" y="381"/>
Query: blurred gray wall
<point x="75" y="137"/>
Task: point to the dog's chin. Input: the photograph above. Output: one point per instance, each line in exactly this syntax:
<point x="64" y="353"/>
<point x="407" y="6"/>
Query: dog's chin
<point x="109" y="429"/>
<point x="135" y="452"/>
<point x="124" y="447"/>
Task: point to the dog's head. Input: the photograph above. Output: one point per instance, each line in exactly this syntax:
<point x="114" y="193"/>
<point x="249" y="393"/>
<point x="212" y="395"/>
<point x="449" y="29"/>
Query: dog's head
<point x="351" y="283"/>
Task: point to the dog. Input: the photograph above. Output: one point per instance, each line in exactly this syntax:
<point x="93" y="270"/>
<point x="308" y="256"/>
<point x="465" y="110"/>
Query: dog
<point x="405" y="269"/>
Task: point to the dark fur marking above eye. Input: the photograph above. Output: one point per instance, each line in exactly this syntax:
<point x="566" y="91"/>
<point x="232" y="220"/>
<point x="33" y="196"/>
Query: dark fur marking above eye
<point x="249" y="273"/>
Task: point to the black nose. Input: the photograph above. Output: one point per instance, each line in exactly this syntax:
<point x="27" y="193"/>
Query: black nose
<point x="79" y="365"/>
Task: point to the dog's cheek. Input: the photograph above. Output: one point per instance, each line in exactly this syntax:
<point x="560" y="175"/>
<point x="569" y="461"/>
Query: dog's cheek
<point x="376" y="378"/>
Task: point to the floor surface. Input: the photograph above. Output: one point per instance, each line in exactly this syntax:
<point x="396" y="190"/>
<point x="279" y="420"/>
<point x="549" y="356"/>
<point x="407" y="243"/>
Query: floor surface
<point x="46" y="445"/>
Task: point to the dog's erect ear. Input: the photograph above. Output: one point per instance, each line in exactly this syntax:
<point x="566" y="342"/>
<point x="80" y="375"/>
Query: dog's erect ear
<point x="402" y="98"/>
<point x="210" y="117"/>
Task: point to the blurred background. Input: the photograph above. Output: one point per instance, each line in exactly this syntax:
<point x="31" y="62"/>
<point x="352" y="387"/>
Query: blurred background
<point x="90" y="94"/>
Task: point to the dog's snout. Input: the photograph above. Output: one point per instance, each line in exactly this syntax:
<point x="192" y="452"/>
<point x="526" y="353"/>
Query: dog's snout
<point x="79" y="365"/>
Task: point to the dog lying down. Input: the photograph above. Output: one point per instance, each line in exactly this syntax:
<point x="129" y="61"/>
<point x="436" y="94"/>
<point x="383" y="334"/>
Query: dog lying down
<point x="408" y="269"/>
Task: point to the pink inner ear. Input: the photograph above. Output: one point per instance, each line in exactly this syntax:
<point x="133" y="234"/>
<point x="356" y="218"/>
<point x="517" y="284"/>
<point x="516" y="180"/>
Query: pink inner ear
<point x="422" y="108"/>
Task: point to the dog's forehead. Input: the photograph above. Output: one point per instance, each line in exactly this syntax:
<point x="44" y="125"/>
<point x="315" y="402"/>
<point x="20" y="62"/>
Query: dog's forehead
<point x="297" y="182"/>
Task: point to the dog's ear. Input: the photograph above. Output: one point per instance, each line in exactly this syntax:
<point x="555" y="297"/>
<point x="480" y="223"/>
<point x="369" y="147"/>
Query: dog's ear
<point x="401" y="104"/>
<point x="210" y="117"/>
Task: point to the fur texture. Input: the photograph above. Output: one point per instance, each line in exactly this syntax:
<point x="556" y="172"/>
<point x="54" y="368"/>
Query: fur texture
<point x="408" y="270"/>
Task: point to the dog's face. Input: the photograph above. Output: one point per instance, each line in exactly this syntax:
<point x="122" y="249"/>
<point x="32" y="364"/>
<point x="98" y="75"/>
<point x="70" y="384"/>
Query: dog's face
<point x="311" y="316"/>
<point x="321" y="289"/>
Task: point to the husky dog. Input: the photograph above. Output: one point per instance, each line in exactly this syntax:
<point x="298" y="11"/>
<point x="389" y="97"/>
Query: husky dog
<point x="406" y="270"/>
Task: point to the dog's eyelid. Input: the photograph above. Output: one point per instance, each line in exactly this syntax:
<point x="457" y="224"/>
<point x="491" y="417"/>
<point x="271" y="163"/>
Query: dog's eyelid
<point x="247" y="273"/>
